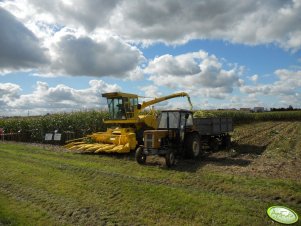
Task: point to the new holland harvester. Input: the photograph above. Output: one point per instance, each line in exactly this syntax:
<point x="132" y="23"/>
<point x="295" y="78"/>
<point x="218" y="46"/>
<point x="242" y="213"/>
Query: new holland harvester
<point x="128" y="123"/>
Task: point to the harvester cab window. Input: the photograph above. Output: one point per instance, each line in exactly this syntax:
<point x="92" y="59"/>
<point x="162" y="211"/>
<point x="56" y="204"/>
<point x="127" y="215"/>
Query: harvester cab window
<point x="122" y="107"/>
<point x="126" y="105"/>
<point x="132" y="103"/>
<point x="116" y="108"/>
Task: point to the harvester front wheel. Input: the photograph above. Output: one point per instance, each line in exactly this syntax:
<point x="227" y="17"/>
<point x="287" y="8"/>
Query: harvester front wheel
<point x="140" y="156"/>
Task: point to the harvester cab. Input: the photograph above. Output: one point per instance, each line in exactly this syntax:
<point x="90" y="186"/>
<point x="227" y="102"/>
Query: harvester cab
<point x="121" y="106"/>
<point x="127" y="121"/>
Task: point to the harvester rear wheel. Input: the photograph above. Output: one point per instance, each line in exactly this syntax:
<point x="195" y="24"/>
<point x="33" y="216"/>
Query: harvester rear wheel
<point x="140" y="156"/>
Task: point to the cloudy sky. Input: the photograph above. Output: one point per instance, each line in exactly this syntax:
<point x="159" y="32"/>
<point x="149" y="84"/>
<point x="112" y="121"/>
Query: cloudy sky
<point x="60" y="55"/>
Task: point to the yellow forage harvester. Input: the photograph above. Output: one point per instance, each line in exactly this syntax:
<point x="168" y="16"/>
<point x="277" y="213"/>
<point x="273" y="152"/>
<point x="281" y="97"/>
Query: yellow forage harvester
<point x="128" y="125"/>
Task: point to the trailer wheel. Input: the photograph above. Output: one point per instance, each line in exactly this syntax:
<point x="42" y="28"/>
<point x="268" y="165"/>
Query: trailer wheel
<point x="193" y="146"/>
<point x="140" y="156"/>
<point x="226" y="141"/>
<point x="214" y="144"/>
<point x="170" y="159"/>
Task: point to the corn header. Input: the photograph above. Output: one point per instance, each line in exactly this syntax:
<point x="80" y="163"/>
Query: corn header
<point x="128" y="123"/>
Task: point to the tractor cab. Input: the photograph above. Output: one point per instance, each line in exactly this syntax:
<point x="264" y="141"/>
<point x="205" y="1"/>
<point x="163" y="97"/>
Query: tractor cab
<point x="121" y="106"/>
<point x="175" y="119"/>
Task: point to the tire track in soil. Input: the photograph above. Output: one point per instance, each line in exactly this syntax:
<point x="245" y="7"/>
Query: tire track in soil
<point x="271" y="163"/>
<point x="266" y="137"/>
<point x="256" y="129"/>
<point x="276" y="162"/>
<point x="271" y="137"/>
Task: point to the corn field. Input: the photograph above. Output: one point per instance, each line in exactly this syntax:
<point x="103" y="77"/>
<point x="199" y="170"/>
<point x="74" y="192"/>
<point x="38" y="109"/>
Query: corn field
<point x="33" y="129"/>
<point x="240" y="117"/>
<point x="78" y="124"/>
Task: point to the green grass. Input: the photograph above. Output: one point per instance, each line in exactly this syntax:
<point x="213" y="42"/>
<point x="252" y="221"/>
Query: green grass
<point x="43" y="186"/>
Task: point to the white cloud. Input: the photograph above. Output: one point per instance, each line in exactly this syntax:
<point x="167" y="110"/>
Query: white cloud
<point x="173" y="21"/>
<point x="245" y="22"/>
<point x="206" y="78"/>
<point x="84" y="56"/>
<point x="185" y="64"/>
<point x="52" y="99"/>
<point x="285" y="90"/>
<point x="20" y="48"/>
<point x="89" y="14"/>
<point x="97" y="38"/>
<point x="135" y="74"/>
<point x="151" y="91"/>
<point x="287" y="84"/>
<point x="8" y="92"/>
<point x="254" y="78"/>
<point x="70" y="49"/>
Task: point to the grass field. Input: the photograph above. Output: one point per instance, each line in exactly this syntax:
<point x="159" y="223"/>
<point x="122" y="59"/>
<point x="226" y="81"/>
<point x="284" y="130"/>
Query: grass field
<point x="45" y="185"/>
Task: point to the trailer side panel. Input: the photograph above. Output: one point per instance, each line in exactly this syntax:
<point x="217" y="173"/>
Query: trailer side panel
<point x="213" y="126"/>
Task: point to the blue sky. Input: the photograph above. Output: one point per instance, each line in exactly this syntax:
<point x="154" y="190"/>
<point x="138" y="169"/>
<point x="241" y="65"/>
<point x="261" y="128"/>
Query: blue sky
<point x="60" y="56"/>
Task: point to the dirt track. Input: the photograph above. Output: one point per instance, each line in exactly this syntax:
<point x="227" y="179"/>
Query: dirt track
<point x="271" y="149"/>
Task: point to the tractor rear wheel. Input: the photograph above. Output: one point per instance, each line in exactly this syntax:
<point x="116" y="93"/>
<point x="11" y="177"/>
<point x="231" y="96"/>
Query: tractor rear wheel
<point x="170" y="159"/>
<point x="193" y="145"/>
<point x="140" y="156"/>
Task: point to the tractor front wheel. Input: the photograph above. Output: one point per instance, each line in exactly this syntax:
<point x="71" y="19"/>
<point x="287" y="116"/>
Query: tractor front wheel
<point x="140" y="156"/>
<point x="170" y="159"/>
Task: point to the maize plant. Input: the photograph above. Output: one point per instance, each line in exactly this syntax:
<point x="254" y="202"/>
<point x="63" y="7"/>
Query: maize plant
<point x="240" y="117"/>
<point x="34" y="128"/>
